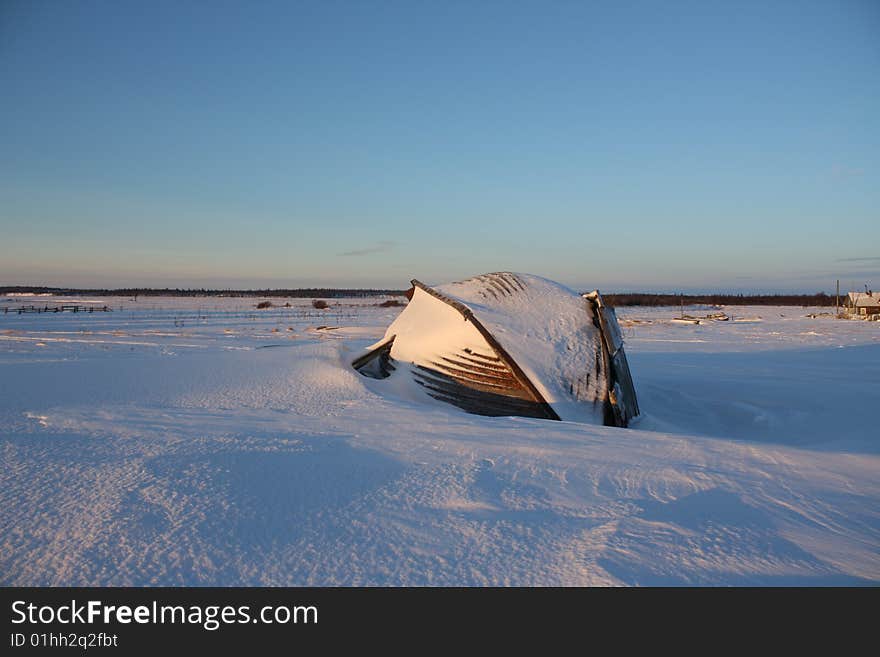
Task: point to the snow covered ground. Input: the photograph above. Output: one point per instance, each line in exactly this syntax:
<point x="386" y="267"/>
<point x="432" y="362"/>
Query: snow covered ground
<point x="203" y="442"/>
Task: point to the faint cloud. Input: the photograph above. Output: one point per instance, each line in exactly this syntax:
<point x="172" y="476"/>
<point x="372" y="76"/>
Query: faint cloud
<point x="866" y="259"/>
<point x="379" y="247"/>
<point x="839" y="171"/>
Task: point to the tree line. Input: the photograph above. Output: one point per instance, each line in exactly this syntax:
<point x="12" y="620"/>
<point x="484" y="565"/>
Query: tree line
<point x="648" y="299"/>
<point x="296" y="293"/>
<point x="613" y="299"/>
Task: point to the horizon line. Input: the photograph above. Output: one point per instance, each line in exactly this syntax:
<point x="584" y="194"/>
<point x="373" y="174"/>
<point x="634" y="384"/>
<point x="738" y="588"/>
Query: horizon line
<point x="107" y="291"/>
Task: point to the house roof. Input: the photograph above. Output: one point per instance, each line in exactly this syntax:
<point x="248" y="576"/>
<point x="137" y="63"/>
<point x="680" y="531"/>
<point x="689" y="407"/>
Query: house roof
<point x="864" y="300"/>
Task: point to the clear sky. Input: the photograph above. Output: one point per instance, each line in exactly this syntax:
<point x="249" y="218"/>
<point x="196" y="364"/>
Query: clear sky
<point x="626" y="145"/>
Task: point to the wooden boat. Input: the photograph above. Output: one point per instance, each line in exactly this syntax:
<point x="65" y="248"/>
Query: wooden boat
<point x="508" y="344"/>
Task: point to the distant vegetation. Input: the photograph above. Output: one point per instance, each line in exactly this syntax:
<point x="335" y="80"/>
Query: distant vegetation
<point x="646" y="299"/>
<point x="620" y="299"/>
<point x="298" y="293"/>
<point x="320" y="304"/>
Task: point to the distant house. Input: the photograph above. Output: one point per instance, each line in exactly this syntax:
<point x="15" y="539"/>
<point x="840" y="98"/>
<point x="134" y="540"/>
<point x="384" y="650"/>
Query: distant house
<point x="863" y="304"/>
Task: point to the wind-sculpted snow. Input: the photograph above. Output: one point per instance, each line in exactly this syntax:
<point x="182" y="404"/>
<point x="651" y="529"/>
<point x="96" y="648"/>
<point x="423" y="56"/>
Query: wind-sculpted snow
<point x="152" y="447"/>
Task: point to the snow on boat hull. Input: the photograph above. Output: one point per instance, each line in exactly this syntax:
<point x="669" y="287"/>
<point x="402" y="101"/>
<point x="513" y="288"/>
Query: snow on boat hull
<point x="508" y="344"/>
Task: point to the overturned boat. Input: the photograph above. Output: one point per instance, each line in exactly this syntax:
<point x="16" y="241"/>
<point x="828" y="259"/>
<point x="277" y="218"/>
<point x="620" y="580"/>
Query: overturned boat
<point x="508" y="344"/>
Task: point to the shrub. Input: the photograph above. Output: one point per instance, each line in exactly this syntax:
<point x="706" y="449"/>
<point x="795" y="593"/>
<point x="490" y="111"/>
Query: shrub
<point x="320" y="304"/>
<point x="391" y="303"/>
<point x="264" y="304"/>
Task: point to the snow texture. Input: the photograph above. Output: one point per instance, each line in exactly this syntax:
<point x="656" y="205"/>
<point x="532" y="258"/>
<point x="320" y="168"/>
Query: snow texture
<point x="202" y="442"/>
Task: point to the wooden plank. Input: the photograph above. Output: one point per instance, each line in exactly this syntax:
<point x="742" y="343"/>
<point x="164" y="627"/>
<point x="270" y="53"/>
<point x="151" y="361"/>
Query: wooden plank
<point x="502" y="354"/>
<point x="617" y="412"/>
<point x="515" y="391"/>
<point x="368" y="366"/>
<point x="480" y="402"/>
<point x="471" y="364"/>
<point x="502" y="379"/>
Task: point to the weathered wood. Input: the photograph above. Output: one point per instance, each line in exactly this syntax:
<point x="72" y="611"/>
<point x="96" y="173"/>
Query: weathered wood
<point x="502" y="354"/>
<point x="477" y="366"/>
<point x="480" y="402"/>
<point x="377" y="363"/>
<point x="476" y="354"/>
<point x="499" y="378"/>
<point x="618" y="412"/>
<point x="515" y="390"/>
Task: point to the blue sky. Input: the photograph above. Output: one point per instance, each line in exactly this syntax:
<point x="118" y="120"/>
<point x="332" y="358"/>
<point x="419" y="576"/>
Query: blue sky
<point x="625" y="145"/>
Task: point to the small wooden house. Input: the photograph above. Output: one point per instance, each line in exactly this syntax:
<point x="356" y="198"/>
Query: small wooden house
<point x="508" y="344"/>
<point x="863" y="304"/>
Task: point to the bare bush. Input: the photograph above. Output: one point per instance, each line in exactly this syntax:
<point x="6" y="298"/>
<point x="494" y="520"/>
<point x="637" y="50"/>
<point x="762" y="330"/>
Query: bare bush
<point x="320" y="304"/>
